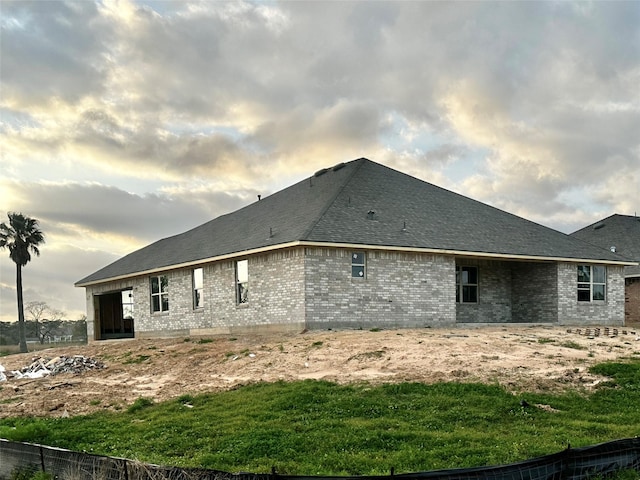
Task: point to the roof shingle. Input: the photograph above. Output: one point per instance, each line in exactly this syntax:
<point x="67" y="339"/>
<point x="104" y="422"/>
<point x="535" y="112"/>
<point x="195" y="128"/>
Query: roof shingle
<point x="361" y="203"/>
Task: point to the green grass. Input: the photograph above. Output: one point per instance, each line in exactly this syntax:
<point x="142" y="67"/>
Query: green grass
<point x="572" y="344"/>
<point x="320" y="428"/>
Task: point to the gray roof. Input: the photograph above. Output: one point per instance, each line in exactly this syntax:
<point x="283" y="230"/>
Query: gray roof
<point x="619" y="231"/>
<point x="334" y="205"/>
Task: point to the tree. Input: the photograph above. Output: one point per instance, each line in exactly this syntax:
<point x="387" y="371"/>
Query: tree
<point x="22" y="237"/>
<point x="36" y="311"/>
<point x="46" y="320"/>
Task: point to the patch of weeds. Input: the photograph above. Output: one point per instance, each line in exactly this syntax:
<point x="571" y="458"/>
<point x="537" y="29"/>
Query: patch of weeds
<point x="136" y="360"/>
<point x="140" y="404"/>
<point x="375" y="329"/>
<point x="317" y="344"/>
<point x="591" y="354"/>
<point x="28" y="474"/>
<point x="490" y="357"/>
<point x="205" y="340"/>
<point x="186" y="340"/>
<point x="185" y="399"/>
<point x="95" y="402"/>
<point x="544" y="340"/>
<point x="229" y="354"/>
<point x="281" y="348"/>
<point x="152" y="347"/>
<point x="367" y="355"/>
<point x="572" y="344"/>
<point x="233" y="339"/>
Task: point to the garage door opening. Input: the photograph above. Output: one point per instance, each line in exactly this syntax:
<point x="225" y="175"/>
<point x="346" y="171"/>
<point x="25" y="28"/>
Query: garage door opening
<point x="114" y="315"/>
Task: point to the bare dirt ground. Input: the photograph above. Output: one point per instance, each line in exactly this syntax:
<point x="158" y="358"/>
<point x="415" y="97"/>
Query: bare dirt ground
<point x="533" y="358"/>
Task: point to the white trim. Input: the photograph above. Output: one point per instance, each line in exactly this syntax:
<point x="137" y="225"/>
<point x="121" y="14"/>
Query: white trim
<point x="352" y="246"/>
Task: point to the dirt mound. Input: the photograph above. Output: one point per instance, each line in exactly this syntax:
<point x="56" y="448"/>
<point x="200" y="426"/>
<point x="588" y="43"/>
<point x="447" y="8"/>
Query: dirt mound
<point x="519" y="358"/>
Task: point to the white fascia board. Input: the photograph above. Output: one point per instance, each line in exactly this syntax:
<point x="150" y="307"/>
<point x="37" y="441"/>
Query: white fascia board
<point x="457" y="253"/>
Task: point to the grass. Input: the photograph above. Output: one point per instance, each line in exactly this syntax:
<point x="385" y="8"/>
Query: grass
<point x="321" y="428"/>
<point x="572" y="344"/>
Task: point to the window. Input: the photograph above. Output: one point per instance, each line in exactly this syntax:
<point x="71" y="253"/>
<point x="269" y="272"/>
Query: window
<point x="198" y="283"/>
<point x="127" y="304"/>
<point x="466" y="284"/>
<point x="160" y="294"/>
<point x="358" y="264"/>
<point x="242" y="281"/>
<point x="592" y="283"/>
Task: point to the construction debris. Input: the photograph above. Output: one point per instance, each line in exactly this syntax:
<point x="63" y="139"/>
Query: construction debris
<point x="41" y="367"/>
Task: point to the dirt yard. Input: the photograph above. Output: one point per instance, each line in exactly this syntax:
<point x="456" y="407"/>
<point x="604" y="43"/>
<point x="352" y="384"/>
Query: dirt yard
<point x="520" y="358"/>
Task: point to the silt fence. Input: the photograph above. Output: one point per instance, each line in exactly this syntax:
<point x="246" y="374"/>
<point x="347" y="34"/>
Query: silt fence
<point x="597" y="461"/>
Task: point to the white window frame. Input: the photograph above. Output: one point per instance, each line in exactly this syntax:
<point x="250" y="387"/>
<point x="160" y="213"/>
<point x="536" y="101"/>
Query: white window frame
<point x="461" y="283"/>
<point x="592" y="286"/>
<point x="127" y="304"/>
<point x="162" y="293"/>
<point x="197" y="283"/>
<point x="242" y="282"/>
<point x="359" y="265"/>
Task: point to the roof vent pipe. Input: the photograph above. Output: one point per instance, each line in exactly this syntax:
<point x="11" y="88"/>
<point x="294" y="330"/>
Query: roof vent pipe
<point x="613" y="248"/>
<point x="404" y="226"/>
<point x="259" y="197"/>
<point x="371" y="214"/>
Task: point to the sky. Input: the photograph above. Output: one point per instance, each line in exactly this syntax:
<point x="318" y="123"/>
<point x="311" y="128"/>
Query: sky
<point x="123" y="122"/>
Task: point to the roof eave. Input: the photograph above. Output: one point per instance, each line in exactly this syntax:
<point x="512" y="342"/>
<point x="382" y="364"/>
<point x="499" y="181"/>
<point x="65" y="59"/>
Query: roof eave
<point x="303" y="243"/>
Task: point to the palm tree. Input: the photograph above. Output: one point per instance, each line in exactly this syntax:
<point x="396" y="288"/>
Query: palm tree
<point x="21" y="237"/>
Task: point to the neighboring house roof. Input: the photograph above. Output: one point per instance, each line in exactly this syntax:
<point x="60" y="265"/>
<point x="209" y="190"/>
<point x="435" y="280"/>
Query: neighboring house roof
<point x="622" y="232"/>
<point x="358" y="203"/>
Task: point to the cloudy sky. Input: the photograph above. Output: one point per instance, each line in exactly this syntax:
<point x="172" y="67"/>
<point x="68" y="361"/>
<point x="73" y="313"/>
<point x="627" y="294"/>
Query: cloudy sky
<point x="122" y="122"/>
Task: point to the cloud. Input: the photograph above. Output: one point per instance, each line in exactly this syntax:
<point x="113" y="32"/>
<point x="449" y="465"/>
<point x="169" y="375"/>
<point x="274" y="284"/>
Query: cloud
<point x="88" y="226"/>
<point x="68" y="209"/>
<point x="122" y="122"/>
<point x="35" y="69"/>
<point x="49" y="278"/>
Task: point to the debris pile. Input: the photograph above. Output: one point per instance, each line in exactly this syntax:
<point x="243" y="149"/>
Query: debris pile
<point x="41" y="367"/>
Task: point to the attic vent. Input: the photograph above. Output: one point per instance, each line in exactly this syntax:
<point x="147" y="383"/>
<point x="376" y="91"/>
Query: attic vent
<point x="321" y="172"/>
<point x="371" y="214"/>
<point x="598" y="226"/>
<point x="338" y="167"/>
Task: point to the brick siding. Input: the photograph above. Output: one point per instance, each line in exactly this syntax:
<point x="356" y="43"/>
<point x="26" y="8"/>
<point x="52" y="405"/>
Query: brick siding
<point x="399" y="290"/>
<point x="299" y="288"/>
<point x="632" y="301"/>
<point x="572" y="312"/>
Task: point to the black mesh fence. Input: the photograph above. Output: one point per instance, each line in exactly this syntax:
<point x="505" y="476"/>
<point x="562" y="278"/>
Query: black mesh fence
<point x="597" y="461"/>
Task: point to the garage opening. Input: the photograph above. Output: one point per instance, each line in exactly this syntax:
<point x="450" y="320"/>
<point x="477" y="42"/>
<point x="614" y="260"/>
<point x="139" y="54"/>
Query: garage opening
<point x="114" y="315"/>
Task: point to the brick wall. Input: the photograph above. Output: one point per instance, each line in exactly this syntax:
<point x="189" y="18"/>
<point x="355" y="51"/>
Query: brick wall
<point x="632" y="301"/>
<point x="572" y="312"/>
<point x="276" y="298"/>
<point x="494" y="293"/>
<point x="301" y="288"/>
<point x="534" y="292"/>
<point x="400" y="290"/>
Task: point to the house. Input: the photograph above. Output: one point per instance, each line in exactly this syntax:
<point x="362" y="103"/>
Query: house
<point x="620" y="234"/>
<point x="357" y="245"/>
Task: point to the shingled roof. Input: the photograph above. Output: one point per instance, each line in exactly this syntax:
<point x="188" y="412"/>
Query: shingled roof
<point x="358" y="203"/>
<point x="621" y="232"/>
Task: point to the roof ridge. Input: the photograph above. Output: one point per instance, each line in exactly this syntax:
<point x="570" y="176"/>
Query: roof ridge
<point x="330" y="203"/>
